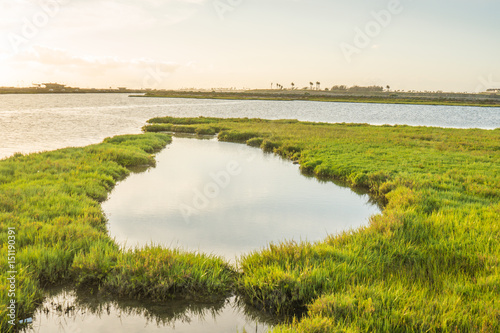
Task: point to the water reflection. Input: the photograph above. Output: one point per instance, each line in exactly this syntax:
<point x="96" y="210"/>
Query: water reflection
<point x="228" y="199"/>
<point x="67" y="310"/>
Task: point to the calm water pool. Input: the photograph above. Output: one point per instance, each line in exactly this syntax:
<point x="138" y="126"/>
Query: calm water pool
<point x="228" y="199"/>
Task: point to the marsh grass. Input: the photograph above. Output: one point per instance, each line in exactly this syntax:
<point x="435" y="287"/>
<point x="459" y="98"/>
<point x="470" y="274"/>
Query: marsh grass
<point x="153" y="273"/>
<point x="428" y="263"/>
<point x="52" y="199"/>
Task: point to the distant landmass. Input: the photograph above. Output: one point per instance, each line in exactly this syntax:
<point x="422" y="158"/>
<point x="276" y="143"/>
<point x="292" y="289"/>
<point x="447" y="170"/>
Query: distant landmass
<point x="45" y="88"/>
<point x="357" y="95"/>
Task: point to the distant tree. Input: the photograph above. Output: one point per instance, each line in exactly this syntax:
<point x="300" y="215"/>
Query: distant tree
<point x="318" y="85"/>
<point x="311" y="85"/>
<point x="293" y="85"/>
<point x="339" y="88"/>
<point x="271" y="86"/>
<point x="366" y="89"/>
<point x="388" y="87"/>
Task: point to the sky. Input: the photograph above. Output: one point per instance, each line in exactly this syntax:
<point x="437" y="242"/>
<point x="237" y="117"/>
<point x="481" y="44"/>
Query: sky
<point x="423" y="45"/>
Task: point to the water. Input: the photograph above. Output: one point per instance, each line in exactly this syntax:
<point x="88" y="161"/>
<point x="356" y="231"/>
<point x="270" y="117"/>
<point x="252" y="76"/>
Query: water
<point x="30" y="123"/>
<point x="69" y="311"/>
<point x="228" y="199"/>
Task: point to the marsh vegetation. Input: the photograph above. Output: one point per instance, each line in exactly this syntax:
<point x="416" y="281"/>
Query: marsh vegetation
<point x="352" y="95"/>
<point x="52" y="200"/>
<point x="429" y="262"/>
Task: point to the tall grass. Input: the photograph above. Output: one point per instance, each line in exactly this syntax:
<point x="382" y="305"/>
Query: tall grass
<point x="152" y="272"/>
<point x="428" y="263"/>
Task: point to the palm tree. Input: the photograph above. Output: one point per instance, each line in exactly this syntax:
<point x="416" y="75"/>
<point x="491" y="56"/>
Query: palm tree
<point x="271" y="86"/>
<point x="293" y="85"/>
<point x="318" y="85"/>
<point x="388" y="87"/>
<point x="311" y="84"/>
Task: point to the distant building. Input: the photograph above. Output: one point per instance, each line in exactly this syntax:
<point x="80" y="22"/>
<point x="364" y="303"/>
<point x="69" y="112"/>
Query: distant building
<point x="122" y="88"/>
<point x="54" y="86"/>
<point x="493" y="90"/>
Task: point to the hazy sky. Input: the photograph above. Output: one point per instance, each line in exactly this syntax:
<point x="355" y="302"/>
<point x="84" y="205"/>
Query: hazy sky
<point x="450" y="45"/>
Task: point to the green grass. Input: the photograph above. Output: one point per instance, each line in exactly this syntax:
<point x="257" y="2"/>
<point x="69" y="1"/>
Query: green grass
<point x="52" y="199"/>
<point x="428" y="263"/>
<point x="152" y="272"/>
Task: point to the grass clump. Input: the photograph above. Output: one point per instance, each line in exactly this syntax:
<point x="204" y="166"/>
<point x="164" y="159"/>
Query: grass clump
<point x="236" y="136"/>
<point x="428" y="263"/>
<point x="183" y="121"/>
<point x="199" y="126"/>
<point x="152" y="272"/>
<point x="255" y="142"/>
<point x="160" y="274"/>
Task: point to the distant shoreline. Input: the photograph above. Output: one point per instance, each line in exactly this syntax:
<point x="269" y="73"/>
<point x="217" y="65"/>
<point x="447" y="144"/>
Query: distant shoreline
<point x="450" y="99"/>
<point x="80" y="91"/>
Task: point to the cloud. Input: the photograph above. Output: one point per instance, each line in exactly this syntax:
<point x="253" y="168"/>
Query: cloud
<point x="59" y="65"/>
<point x="97" y="15"/>
<point x="60" y="58"/>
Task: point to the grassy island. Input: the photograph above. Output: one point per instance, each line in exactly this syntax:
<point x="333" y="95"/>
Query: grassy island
<point x="453" y="99"/>
<point x="428" y="263"/>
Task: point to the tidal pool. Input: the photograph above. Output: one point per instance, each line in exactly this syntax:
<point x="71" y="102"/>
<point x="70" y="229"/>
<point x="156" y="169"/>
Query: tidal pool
<point x="228" y="199"/>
